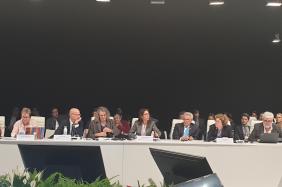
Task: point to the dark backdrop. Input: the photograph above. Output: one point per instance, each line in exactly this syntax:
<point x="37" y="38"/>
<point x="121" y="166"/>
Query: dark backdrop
<point x="130" y="53"/>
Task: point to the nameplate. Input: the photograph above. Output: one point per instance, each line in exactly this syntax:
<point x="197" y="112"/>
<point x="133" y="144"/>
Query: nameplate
<point x="224" y="140"/>
<point x="62" y="137"/>
<point x="25" y="137"/>
<point x="145" y="138"/>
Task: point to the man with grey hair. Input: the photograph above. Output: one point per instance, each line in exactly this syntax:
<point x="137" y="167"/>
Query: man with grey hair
<point x="266" y="126"/>
<point x="187" y="130"/>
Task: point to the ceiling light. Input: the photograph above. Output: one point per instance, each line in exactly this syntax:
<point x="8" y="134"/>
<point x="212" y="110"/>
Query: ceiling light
<point x="216" y="2"/>
<point x="157" y="2"/>
<point x="276" y="39"/>
<point x="104" y="1"/>
<point x="275" y="3"/>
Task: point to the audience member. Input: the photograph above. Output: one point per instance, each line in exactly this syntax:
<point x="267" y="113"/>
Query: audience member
<point x="201" y="123"/>
<point x="266" y="126"/>
<point x="187" y="130"/>
<point x="122" y="126"/>
<point x="279" y="120"/>
<point x="144" y="126"/>
<point x="54" y="121"/>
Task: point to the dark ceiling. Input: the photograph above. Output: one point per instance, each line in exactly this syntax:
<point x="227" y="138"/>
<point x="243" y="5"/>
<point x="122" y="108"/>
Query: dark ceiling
<point x="181" y="55"/>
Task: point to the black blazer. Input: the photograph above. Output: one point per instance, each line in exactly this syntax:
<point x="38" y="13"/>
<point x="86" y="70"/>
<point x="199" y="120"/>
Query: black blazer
<point x="202" y="128"/>
<point x="76" y="131"/>
<point x="179" y="129"/>
<point x="259" y="129"/>
<point x="226" y="132"/>
<point x="51" y="123"/>
<point x="239" y="133"/>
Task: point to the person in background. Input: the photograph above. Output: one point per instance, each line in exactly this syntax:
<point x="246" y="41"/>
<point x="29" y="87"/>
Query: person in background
<point x="266" y="126"/>
<point x="260" y="117"/>
<point x="102" y="126"/>
<point x="201" y="123"/>
<point x="35" y="112"/>
<point x="14" y="117"/>
<point x="279" y="120"/>
<point x="242" y="131"/>
<point x="144" y="126"/>
<point x="74" y="124"/>
<point x="180" y="114"/>
<point x="187" y="130"/>
<point x="211" y="116"/>
<point x="220" y="128"/>
<point x="254" y="115"/>
<point x="54" y="121"/>
<point x="86" y="127"/>
<point x="122" y="126"/>
<point x="21" y="125"/>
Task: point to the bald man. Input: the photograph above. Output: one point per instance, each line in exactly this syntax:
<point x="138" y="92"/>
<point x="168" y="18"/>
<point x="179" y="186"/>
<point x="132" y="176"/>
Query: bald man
<point x="74" y="124"/>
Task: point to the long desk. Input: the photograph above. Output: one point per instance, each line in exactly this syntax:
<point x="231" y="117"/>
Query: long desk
<point x="236" y="165"/>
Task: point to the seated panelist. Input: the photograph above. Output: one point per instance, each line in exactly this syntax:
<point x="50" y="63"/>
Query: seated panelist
<point x="220" y="128"/>
<point x="74" y="124"/>
<point x="102" y="126"/>
<point x="187" y="130"/>
<point x="266" y="126"/>
<point x="145" y="126"/>
<point x="25" y="122"/>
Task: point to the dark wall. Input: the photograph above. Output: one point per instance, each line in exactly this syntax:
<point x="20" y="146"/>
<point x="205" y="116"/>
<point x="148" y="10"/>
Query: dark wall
<point x="128" y="53"/>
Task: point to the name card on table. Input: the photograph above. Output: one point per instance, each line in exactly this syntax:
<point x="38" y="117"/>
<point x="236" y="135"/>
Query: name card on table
<point x="25" y="137"/>
<point x="145" y="138"/>
<point x="62" y="137"/>
<point x="224" y="140"/>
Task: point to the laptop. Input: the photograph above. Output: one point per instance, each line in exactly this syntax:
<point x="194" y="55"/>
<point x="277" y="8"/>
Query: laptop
<point x="178" y="167"/>
<point x="269" y="138"/>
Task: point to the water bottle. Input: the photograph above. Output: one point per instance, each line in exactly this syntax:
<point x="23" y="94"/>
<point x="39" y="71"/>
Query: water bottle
<point x="65" y="130"/>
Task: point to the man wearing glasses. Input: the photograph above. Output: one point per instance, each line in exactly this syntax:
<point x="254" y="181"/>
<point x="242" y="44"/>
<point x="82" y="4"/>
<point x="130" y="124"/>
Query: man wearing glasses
<point x="74" y="124"/>
<point x="267" y="126"/>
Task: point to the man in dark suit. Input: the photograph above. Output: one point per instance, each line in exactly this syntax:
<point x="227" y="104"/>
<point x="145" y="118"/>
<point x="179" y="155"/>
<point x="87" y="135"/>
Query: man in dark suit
<point x="242" y="131"/>
<point x="267" y="126"/>
<point x="201" y="123"/>
<point x="74" y="124"/>
<point x="187" y="130"/>
<point x="54" y="121"/>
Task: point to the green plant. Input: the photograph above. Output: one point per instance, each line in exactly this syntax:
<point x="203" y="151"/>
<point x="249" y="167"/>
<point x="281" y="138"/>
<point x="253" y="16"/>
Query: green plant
<point x="18" y="178"/>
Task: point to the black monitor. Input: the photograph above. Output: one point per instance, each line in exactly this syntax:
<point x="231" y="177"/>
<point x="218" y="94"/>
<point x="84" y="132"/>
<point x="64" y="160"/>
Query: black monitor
<point x="178" y="167"/>
<point x="76" y="162"/>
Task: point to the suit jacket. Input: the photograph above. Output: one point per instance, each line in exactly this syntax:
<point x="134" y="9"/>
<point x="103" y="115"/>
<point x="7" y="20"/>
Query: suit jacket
<point x="75" y="131"/>
<point x="226" y="132"/>
<point x="239" y="133"/>
<point x="202" y="127"/>
<point x="179" y="130"/>
<point x="96" y="127"/>
<point x="259" y="129"/>
<point x="51" y="123"/>
<point x="151" y="126"/>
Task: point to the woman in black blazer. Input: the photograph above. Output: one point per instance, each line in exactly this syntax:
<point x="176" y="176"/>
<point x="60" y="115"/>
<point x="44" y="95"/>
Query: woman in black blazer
<point x="220" y="128"/>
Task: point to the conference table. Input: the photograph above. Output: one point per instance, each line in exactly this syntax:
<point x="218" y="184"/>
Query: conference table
<point x="236" y="164"/>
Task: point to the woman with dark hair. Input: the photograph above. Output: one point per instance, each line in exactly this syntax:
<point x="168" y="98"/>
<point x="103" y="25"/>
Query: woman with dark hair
<point x="144" y="126"/>
<point x="122" y="126"/>
<point x="220" y="128"/>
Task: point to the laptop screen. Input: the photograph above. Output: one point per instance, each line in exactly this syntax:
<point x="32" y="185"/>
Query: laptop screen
<point x="178" y="167"/>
